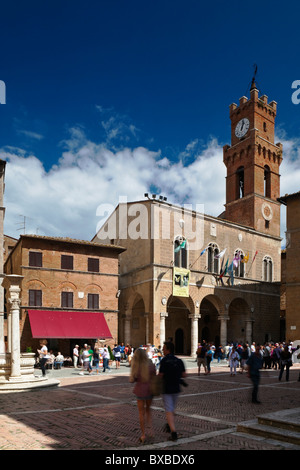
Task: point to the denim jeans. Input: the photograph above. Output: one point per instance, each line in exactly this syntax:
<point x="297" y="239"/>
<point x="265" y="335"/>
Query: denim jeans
<point x="105" y="364"/>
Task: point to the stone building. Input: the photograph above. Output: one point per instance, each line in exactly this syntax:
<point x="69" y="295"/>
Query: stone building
<point x="68" y="291"/>
<point x="190" y="276"/>
<point x="9" y="243"/>
<point x="292" y="270"/>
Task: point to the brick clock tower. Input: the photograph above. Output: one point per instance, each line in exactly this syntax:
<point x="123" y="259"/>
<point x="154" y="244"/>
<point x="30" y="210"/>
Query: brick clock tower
<point x="252" y="162"/>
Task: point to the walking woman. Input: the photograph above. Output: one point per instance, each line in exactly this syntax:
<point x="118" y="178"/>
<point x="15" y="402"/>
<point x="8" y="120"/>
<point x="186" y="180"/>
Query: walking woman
<point x="142" y="370"/>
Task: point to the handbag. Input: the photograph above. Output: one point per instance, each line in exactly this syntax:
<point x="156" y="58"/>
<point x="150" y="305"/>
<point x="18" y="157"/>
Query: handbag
<point x="156" y="385"/>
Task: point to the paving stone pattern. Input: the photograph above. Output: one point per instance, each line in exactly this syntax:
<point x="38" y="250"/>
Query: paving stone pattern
<point x="100" y="413"/>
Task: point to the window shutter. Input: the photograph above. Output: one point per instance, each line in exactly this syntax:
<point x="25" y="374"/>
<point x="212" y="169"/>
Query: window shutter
<point x="93" y="265"/>
<point x="66" y="262"/>
<point x="35" y="259"/>
<point x="67" y="299"/>
<point x="35" y="298"/>
<point x="93" y="301"/>
<point x="31" y="298"/>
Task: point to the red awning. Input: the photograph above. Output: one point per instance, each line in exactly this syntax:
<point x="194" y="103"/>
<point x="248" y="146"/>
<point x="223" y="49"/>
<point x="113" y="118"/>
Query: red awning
<point x="58" y="324"/>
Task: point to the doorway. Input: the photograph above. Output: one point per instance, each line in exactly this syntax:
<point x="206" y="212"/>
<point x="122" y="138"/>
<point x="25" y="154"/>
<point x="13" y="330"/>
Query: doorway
<point x="179" y="341"/>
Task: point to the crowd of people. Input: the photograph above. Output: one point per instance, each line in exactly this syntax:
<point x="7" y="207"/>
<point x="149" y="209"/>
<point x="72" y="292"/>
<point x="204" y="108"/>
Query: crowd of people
<point x="48" y="360"/>
<point x="249" y="358"/>
<point x="85" y="358"/>
<point x="237" y="354"/>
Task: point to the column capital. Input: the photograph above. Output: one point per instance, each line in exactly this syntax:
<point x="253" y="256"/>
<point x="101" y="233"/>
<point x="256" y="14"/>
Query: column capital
<point x="14" y="303"/>
<point x="12" y="281"/>
<point x="194" y="316"/>
<point x="223" y="317"/>
<point x="164" y="314"/>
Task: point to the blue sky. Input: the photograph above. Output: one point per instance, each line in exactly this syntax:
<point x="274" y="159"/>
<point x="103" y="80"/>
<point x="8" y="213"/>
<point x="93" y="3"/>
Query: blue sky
<point x="99" y="88"/>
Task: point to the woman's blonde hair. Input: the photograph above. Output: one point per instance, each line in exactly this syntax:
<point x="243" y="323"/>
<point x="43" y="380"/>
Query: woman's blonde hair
<point x="140" y="365"/>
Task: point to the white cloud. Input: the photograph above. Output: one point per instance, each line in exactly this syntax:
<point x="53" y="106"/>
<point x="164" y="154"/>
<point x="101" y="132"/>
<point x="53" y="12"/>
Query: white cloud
<point x="31" y="134"/>
<point x="63" y="201"/>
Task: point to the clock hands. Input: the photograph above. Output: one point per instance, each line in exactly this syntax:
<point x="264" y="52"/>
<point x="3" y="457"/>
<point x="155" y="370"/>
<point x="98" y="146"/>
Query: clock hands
<point x="242" y="127"/>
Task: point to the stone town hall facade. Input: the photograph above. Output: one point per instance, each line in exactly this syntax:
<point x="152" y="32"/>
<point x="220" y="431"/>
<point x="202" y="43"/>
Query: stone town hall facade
<point x="228" y="286"/>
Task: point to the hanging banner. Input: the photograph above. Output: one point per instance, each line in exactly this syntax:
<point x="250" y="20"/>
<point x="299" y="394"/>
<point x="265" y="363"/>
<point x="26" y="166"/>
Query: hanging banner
<point x="181" y="281"/>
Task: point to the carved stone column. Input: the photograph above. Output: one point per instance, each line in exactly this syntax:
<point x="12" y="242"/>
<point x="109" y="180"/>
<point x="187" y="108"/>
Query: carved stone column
<point x="127" y="329"/>
<point x="146" y="316"/>
<point x="194" y="332"/>
<point x="248" y="332"/>
<point x="12" y="284"/>
<point x="2" y="343"/>
<point x="223" y="329"/>
<point x="163" y="316"/>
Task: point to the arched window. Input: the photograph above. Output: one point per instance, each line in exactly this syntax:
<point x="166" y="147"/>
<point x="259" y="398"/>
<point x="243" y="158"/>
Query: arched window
<point x="267" y="273"/>
<point x="239" y="266"/>
<point x="212" y="263"/>
<point x="180" y="252"/>
<point x="240" y="182"/>
<point x="267" y="181"/>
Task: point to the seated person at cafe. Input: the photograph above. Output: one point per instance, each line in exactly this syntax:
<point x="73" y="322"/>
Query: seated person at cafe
<point x="59" y="360"/>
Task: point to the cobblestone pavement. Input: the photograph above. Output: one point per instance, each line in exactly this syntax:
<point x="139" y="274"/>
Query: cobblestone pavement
<point x="99" y="412"/>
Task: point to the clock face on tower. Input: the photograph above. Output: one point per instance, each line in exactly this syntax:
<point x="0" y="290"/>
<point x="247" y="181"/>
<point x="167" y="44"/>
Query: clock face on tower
<point x="242" y="127"/>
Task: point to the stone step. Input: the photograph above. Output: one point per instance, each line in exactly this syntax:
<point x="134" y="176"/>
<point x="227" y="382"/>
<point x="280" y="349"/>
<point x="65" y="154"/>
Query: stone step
<point x="269" y="432"/>
<point x="277" y="422"/>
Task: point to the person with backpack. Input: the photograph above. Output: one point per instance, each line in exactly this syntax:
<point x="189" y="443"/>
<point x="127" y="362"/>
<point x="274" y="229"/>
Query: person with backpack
<point x="209" y="357"/>
<point x="244" y="358"/>
<point x="201" y="357"/>
<point x="117" y="355"/>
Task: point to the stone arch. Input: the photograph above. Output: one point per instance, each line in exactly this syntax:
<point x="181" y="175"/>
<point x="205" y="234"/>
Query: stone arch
<point x="178" y="323"/>
<point x="66" y="285"/>
<point x="35" y="284"/>
<point x="93" y="287"/>
<point x="209" y="324"/>
<point x="239" y="314"/>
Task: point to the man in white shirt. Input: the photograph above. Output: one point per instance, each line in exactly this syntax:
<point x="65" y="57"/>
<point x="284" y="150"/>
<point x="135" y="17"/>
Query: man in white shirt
<point x="86" y="359"/>
<point x="75" y="356"/>
<point x="59" y="360"/>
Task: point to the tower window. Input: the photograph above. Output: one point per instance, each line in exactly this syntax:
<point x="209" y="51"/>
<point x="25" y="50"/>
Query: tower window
<point x="265" y="126"/>
<point x="267" y="181"/>
<point x="240" y="182"/>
